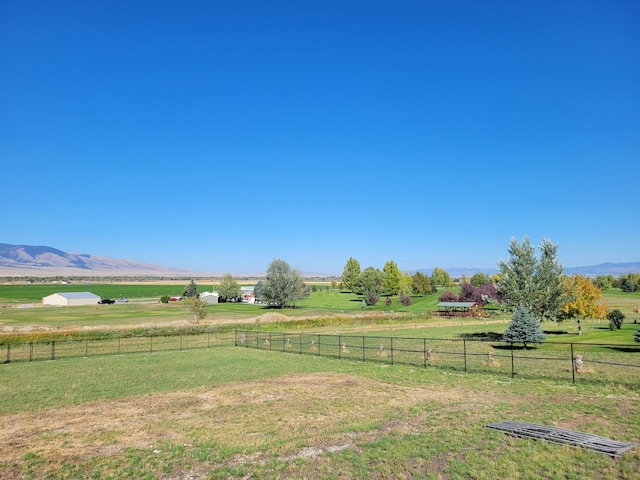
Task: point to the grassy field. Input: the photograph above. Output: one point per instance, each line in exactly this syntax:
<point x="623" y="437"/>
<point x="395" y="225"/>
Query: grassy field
<point x="241" y="413"/>
<point x="228" y="412"/>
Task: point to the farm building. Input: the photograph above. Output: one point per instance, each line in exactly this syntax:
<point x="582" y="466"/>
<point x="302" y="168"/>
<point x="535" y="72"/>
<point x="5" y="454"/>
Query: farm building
<point x="210" y="297"/>
<point x="247" y="294"/>
<point x="459" y="309"/>
<point x="67" y="299"/>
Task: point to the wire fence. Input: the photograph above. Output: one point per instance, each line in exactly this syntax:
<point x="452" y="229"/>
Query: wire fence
<point x="567" y="361"/>
<point x="53" y="350"/>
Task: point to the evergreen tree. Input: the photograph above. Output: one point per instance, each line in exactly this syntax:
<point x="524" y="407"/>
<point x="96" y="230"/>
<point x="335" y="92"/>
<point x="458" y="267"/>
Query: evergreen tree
<point x="350" y="274"/>
<point x="524" y="328"/>
<point x="190" y="290"/>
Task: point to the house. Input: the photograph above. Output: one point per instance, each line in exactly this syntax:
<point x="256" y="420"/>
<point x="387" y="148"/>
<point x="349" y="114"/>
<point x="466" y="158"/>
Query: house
<point x="247" y="294"/>
<point x="459" y="309"/>
<point x="210" y="297"/>
<point x="68" y="299"/>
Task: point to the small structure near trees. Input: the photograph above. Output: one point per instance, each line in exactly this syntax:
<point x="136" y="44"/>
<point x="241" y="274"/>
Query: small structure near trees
<point x="459" y="309"/>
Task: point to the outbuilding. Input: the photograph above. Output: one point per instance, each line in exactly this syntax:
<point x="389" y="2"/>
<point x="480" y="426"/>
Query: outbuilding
<point x="459" y="309"/>
<point x="210" y="297"/>
<point x="68" y="299"/>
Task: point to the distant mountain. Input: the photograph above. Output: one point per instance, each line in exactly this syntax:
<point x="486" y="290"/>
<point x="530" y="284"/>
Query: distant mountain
<point x="25" y="260"/>
<point x="615" y="269"/>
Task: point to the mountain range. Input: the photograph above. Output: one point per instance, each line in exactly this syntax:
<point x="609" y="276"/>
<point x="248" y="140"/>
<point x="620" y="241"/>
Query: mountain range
<point x="42" y="261"/>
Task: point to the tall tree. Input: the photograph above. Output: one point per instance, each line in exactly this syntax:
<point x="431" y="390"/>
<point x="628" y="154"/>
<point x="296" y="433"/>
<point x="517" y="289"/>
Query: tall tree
<point x="422" y="284"/>
<point x="393" y="278"/>
<point x="525" y="280"/>
<point x="524" y="328"/>
<point x="350" y="274"/>
<point x="229" y="289"/>
<point x="441" y="278"/>
<point x="282" y="285"/>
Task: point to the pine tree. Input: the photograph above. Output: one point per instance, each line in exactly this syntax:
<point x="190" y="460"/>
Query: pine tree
<point x="191" y="290"/>
<point x="524" y="328"/>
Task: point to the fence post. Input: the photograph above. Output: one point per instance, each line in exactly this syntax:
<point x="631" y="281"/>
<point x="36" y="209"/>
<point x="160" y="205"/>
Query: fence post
<point x="8" y="353"/>
<point x="53" y="350"/>
<point x="180" y="342"/>
<point x="513" y="373"/>
<point x="391" y="350"/>
<point x="424" y="352"/>
<point x="209" y="339"/>
<point x="257" y="340"/>
<point x="339" y="347"/>
<point x="235" y="338"/>
<point x="270" y="340"/>
<point x="300" y="344"/>
<point x="363" y="357"/>
<point x="573" y="366"/>
<point x="30" y="351"/>
<point x="118" y="345"/>
<point x="284" y="341"/>
<point x="318" y="345"/>
<point x="464" y="353"/>
<point x="86" y="347"/>
<point x="150" y="343"/>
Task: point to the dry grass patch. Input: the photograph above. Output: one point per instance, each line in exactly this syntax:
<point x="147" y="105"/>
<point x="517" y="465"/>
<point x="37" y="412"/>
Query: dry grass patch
<point x="314" y="410"/>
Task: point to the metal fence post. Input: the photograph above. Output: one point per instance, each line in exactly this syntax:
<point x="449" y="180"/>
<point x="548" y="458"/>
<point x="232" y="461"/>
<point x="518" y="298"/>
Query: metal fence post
<point x="318" y="345"/>
<point x="8" y="353"/>
<point x="513" y="373"/>
<point x="339" y="348"/>
<point x="391" y="350"/>
<point x="573" y="365"/>
<point x="86" y="347"/>
<point x="300" y="341"/>
<point x="464" y="350"/>
<point x="150" y="343"/>
<point x="118" y="345"/>
<point x="363" y="357"/>
<point x="180" y="342"/>
<point x="30" y="351"/>
<point x="424" y="352"/>
<point x="53" y="350"/>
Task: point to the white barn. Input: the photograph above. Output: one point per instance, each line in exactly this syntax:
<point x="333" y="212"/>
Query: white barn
<point x="210" y="297"/>
<point x="67" y="299"/>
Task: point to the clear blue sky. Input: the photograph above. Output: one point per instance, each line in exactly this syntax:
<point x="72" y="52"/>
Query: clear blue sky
<point x="219" y="135"/>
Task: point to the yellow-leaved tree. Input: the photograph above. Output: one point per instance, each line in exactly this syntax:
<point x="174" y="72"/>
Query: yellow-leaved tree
<point x="585" y="300"/>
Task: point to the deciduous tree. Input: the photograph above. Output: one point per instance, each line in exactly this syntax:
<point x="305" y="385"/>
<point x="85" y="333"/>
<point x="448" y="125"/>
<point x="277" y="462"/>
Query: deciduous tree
<point x="282" y="284"/>
<point x="229" y="289"/>
<point x="370" y="284"/>
<point x="536" y="284"/>
<point x="479" y="279"/>
<point x="441" y="278"/>
<point x="393" y="278"/>
<point x="584" y="300"/>
<point x="422" y="284"/>
<point x="196" y="307"/>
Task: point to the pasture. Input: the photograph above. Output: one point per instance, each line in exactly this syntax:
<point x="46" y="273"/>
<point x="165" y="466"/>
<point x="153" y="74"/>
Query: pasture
<point x="231" y="412"/>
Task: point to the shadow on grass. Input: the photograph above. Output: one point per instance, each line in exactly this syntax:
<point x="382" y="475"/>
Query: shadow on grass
<point x="515" y="347"/>
<point x="625" y="349"/>
<point x="484" y="336"/>
<point x="556" y="332"/>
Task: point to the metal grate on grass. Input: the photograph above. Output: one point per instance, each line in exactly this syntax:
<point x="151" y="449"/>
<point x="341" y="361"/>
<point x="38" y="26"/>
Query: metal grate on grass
<point x="564" y="436"/>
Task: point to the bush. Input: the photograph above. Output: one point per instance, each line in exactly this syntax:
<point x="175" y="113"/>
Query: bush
<point x="616" y="319"/>
<point x="406" y="300"/>
<point x="165" y="298"/>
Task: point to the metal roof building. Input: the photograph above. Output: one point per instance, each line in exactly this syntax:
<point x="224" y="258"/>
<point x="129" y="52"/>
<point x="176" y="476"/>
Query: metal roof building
<point x="67" y="299"/>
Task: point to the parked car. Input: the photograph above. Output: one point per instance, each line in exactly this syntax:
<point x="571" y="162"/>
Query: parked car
<point x="123" y="300"/>
<point x="106" y="301"/>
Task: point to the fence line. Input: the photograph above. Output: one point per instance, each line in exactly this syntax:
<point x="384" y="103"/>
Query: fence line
<point x="562" y="360"/>
<point x="53" y="350"/>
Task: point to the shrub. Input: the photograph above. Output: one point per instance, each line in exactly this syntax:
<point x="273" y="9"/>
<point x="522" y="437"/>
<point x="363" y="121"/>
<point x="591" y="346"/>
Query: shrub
<point x="165" y="298"/>
<point x="448" y="297"/>
<point x="406" y="300"/>
<point x="616" y="319"/>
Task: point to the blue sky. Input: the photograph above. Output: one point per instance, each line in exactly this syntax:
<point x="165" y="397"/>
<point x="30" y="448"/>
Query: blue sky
<point x="216" y="136"/>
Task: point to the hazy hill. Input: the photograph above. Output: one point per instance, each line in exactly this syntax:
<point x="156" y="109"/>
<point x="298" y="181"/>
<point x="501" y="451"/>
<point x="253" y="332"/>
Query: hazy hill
<point x="42" y="261"/>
